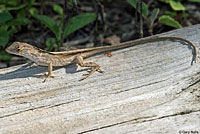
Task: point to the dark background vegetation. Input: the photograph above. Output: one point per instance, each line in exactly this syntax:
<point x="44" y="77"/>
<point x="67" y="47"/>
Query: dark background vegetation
<point x="60" y="25"/>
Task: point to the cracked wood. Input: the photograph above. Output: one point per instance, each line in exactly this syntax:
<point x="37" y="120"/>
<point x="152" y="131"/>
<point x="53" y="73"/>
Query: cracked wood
<point x="149" y="88"/>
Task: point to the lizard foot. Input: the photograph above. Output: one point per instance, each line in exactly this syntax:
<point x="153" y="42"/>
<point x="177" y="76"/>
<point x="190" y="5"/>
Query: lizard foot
<point x="88" y="74"/>
<point x="47" y="76"/>
<point x="101" y="71"/>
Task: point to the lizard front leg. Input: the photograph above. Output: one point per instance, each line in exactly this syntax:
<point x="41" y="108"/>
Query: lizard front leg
<point x="50" y="68"/>
<point x="79" y="61"/>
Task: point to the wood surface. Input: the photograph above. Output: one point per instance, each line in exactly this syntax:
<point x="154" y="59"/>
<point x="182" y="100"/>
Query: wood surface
<point x="148" y="88"/>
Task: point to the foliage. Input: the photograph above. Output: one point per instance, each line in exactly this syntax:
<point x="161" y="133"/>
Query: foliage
<point x="175" y="4"/>
<point x="194" y="0"/>
<point x="4" y="56"/>
<point x="164" y="19"/>
<point x="154" y="14"/>
<point x="145" y="11"/>
<point x="72" y="25"/>
<point x="8" y="23"/>
<point x="168" y="17"/>
<point x="72" y="2"/>
<point x="13" y="14"/>
<point x="50" y="43"/>
<point x="144" y="7"/>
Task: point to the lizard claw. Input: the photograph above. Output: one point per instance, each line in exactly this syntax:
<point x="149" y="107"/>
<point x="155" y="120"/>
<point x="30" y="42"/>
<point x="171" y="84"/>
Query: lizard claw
<point x="101" y="71"/>
<point x="88" y="74"/>
<point x="84" y="78"/>
<point x="85" y="74"/>
<point x="47" y="76"/>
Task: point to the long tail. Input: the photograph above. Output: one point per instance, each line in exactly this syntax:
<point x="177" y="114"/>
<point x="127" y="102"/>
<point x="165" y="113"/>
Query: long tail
<point x="137" y="42"/>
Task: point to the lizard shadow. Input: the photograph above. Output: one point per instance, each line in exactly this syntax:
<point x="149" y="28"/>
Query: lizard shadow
<point x="27" y="71"/>
<point x="23" y="72"/>
<point x="38" y="71"/>
<point x="73" y="68"/>
<point x="194" y="53"/>
<point x="189" y="47"/>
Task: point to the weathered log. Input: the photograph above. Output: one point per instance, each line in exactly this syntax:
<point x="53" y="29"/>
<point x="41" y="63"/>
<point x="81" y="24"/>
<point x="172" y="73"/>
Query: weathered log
<point x="150" y="88"/>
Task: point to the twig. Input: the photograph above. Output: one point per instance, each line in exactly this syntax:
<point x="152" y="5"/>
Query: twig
<point x="136" y="17"/>
<point x="65" y="19"/>
<point x="68" y="13"/>
<point x="99" y="11"/>
<point x="141" y="20"/>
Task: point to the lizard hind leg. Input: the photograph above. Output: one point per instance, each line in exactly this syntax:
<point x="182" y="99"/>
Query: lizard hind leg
<point x="79" y="61"/>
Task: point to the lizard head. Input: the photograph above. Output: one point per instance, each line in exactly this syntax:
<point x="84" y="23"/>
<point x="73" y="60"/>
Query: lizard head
<point x="19" y="48"/>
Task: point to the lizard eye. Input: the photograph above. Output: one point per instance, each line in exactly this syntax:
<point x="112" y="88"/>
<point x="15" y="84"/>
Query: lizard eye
<point x="19" y="49"/>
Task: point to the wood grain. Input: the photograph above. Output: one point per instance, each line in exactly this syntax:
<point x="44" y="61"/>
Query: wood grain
<point x="149" y="88"/>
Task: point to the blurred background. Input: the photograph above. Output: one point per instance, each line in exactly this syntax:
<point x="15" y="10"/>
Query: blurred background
<point x="69" y="24"/>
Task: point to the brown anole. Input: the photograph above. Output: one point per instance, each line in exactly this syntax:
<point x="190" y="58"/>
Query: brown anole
<point x="50" y="59"/>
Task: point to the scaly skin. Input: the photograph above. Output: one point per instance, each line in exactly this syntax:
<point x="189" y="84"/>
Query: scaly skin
<point x="51" y="59"/>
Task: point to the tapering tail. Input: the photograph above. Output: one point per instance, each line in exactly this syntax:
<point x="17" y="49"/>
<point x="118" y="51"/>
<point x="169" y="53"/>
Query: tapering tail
<point x="137" y="42"/>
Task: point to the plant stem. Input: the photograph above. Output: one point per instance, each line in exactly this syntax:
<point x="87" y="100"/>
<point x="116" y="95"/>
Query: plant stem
<point x="141" y="21"/>
<point x="64" y="21"/>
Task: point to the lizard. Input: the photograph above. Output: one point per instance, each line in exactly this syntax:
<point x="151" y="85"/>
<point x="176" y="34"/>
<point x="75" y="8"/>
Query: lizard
<point x="50" y="59"/>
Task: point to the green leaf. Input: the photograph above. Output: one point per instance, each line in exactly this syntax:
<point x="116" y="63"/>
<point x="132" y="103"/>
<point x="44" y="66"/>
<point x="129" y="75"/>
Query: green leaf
<point x="144" y="6"/>
<point x="21" y="14"/>
<point x="30" y="2"/>
<point x="194" y="0"/>
<point x="19" y="21"/>
<point x="48" y="22"/>
<point x="5" y="56"/>
<point x="73" y="2"/>
<point x="4" y="28"/>
<point x="78" y="22"/>
<point x="2" y="8"/>
<point x="58" y="9"/>
<point x="167" y="20"/>
<point x="176" y="5"/>
<point x="154" y="15"/>
<point x="4" y="35"/>
<point x="33" y="11"/>
<point x="12" y="31"/>
<point x="17" y="7"/>
<point x="60" y="27"/>
<point x="165" y="1"/>
<point x="170" y="13"/>
<point x="5" y="16"/>
<point x="50" y="43"/>
<point x="9" y="2"/>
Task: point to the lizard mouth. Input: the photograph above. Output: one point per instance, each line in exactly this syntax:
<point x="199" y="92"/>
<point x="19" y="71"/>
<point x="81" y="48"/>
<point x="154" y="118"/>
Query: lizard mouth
<point x="8" y="50"/>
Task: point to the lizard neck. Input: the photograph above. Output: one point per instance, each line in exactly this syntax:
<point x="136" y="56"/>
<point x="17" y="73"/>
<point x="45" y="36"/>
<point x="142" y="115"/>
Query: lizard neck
<point x="37" y="55"/>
